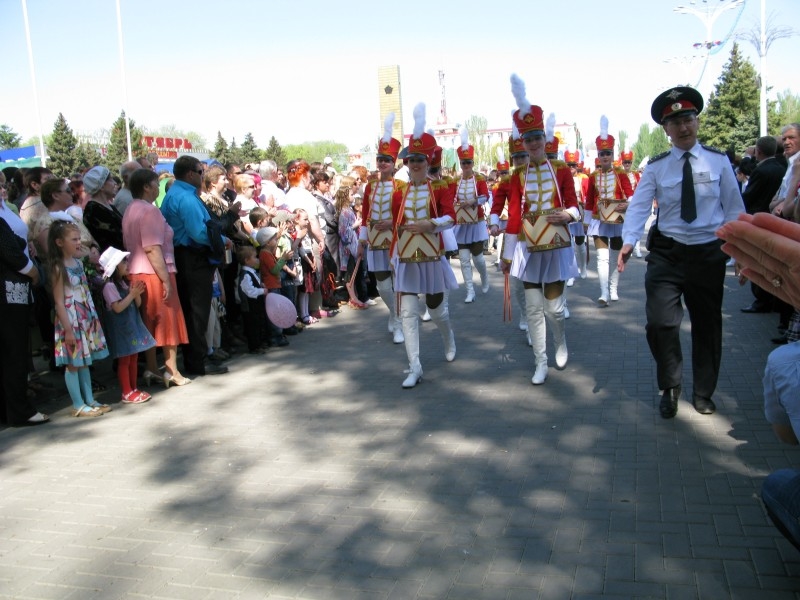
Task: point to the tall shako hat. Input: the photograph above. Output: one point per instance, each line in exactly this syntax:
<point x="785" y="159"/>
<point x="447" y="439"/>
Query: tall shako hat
<point x="604" y="141"/>
<point x="570" y="157"/>
<point x="515" y="146"/>
<point x="681" y="99"/>
<point x="626" y="155"/>
<point x="551" y="141"/>
<point x="421" y="143"/>
<point x="387" y="145"/>
<point x="465" y="151"/>
<point x="502" y="163"/>
<point x="436" y="159"/>
<point x="529" y="119"/>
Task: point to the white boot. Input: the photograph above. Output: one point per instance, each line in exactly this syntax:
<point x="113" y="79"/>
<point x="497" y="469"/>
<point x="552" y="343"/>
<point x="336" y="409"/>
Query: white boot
<point x="519" y="295"/>
<point x="424" y="315"/>
<point x="480" y="264"/>
<point x="387" y="294"/>
<point x="580" y="258"/>
<point x="466" y="272"/>
<point x="613" y="281"/>
<point x="409" y="313"/>
<point x="555" y="312"/>
<point x="602" y="275"/>
<point x="534" y="311"/>
<point x="637" y="250"/>
<point x="570" y="282"/>
<point x="441" y="316"/>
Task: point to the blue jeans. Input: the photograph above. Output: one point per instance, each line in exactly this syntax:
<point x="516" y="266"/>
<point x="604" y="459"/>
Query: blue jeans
<point x="781" y="496"/>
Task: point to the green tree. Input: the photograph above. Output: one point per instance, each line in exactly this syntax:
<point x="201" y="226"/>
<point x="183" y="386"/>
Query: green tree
<point x="86" y="157"/>
<point x="249" y="152"/>
<point x="234" y="154"/>
<point x="275" y="152"/>
<point x="34" y="141"/>
<point x="316" y="152"/>
<point x="117" y="152"/>
<point x="622" y="140"/>
<point x="650" y="143"/>
<point x="476" y="132"/>
<point x="8" y="137"/>
<point x="787" y="111"/>
<point x="171" y="131"/>
<point x="61" y="149"/>
<point x="220" y="151"/>
<point x="726" y="118"/>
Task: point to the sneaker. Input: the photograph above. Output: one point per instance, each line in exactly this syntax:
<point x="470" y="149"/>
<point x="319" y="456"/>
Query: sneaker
<point x="370" y="302"/>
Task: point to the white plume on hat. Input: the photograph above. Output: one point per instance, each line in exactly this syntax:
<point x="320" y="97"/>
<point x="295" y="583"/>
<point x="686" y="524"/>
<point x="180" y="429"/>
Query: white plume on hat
<point x="388" y="124"/>
<point x="518" y="89"/>
<point x="550" y="127"/>
<point x="464" y="137"/>
<point x="604" y="127"/>
<point x="514" y="128"/>
<point x="501" y="156"/>
<point x="419" y="120"/>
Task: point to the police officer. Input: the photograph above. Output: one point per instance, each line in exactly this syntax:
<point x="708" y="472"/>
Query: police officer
<point x="697" y="193"/>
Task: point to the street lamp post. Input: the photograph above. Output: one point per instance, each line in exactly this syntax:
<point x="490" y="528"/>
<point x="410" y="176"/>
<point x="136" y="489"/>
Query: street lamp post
<point x="708" y="16"/>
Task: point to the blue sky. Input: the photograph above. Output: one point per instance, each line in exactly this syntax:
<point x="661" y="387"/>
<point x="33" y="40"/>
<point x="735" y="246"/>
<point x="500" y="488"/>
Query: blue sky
<point x="308" y="70"/>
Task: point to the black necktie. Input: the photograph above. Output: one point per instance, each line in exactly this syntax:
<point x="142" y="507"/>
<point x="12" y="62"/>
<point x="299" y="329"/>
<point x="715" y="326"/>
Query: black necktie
<point x="688" y="208"/>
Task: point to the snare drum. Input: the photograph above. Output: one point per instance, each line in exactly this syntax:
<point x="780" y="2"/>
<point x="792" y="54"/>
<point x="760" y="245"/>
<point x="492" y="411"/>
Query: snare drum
<point x="378" y="240"/>
<point x="418" y="247"/>
<point x="539" y="235"/>
<point x="607" y="212"/>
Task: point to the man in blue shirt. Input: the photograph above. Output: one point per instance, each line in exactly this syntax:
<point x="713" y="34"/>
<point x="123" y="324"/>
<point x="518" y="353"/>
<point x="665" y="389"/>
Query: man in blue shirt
<point x="184" y="211"/>
<point x="696" y="192"/>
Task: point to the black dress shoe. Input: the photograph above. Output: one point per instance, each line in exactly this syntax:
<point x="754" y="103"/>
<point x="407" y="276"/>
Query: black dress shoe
<point x="669" y="402"/>
<point x="705" y="406"/>
<point x="755" y="307"/>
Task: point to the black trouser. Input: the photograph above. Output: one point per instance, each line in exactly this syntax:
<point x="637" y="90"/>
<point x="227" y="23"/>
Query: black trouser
<point x="15" y="408"/>
<point x="195" y="276"/>
<point x="254" y="321"/>
<point x="697" y="273"/>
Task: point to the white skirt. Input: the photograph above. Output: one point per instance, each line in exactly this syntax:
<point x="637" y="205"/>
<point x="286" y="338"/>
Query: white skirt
<point x="543" y="267"/>
<point x="433" y="277"/>
<point x="471" y="233"/>
<point x="378" y="260"/>
<point x="596" y="228"/>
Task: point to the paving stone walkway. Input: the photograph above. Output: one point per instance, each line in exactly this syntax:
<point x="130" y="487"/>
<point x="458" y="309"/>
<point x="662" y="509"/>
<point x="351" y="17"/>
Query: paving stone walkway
<point x="309" y="473"/>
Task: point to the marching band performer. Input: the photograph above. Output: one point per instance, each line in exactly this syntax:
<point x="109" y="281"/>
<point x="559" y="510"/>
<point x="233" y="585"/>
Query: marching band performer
<point x="471" y="193"/>
<point x="537" y="246"/>
<point x="607" y="199"/>
<point x="421" y="210"/>
<point x="626" y="156"/>
<point x="578" y="229"/>
<point x="498" y="216"/>
<point x="377" y="224"/>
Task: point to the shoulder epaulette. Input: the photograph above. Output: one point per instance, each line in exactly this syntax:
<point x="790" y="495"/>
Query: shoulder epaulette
<point x="658" y="157"/>
<point x="437" y="183"/>
<point x="480" y="177"/>
<point x="504" y="179"/>
<point x="399" y="184"/>
<point x="557" y="164"/>
<point x="712" y="149"/>
<point x="519" y="169"/>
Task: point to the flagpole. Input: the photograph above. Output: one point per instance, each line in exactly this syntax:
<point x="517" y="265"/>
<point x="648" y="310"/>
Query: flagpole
<point x="124" y="85"/>
<point x="33" y="81"/>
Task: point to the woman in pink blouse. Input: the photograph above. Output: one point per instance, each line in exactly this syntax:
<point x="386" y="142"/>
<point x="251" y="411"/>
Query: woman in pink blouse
<point x="149" y="240"/>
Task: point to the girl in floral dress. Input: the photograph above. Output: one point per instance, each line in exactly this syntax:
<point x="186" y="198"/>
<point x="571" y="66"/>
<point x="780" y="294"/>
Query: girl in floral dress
<point x="79" y="339"/>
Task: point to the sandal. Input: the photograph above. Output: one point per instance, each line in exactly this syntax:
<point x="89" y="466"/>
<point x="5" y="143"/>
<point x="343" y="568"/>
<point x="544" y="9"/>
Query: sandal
<point x="103" y="408"/>
<point x="309" y="320"/>
<point x="357" y="305"/>
<point x="135" y="397"/>
<point x="86" y="411"/>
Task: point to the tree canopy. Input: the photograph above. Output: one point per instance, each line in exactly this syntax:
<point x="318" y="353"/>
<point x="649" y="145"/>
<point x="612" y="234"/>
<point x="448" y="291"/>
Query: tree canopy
<point x="117" y="151"/>
<point x="62" y="158"/>
<point x="650" y="143"/>
<point x="8" y="137"/>
<point x="730" y="118"/>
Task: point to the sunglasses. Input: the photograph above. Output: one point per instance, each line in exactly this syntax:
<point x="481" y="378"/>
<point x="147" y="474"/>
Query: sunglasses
<point x="384" y="159"/>
<point x="605" y="153"/>
<point x="466" y="162"/>
<point x="627" y="162"/>
<point x="416" y="160"/>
